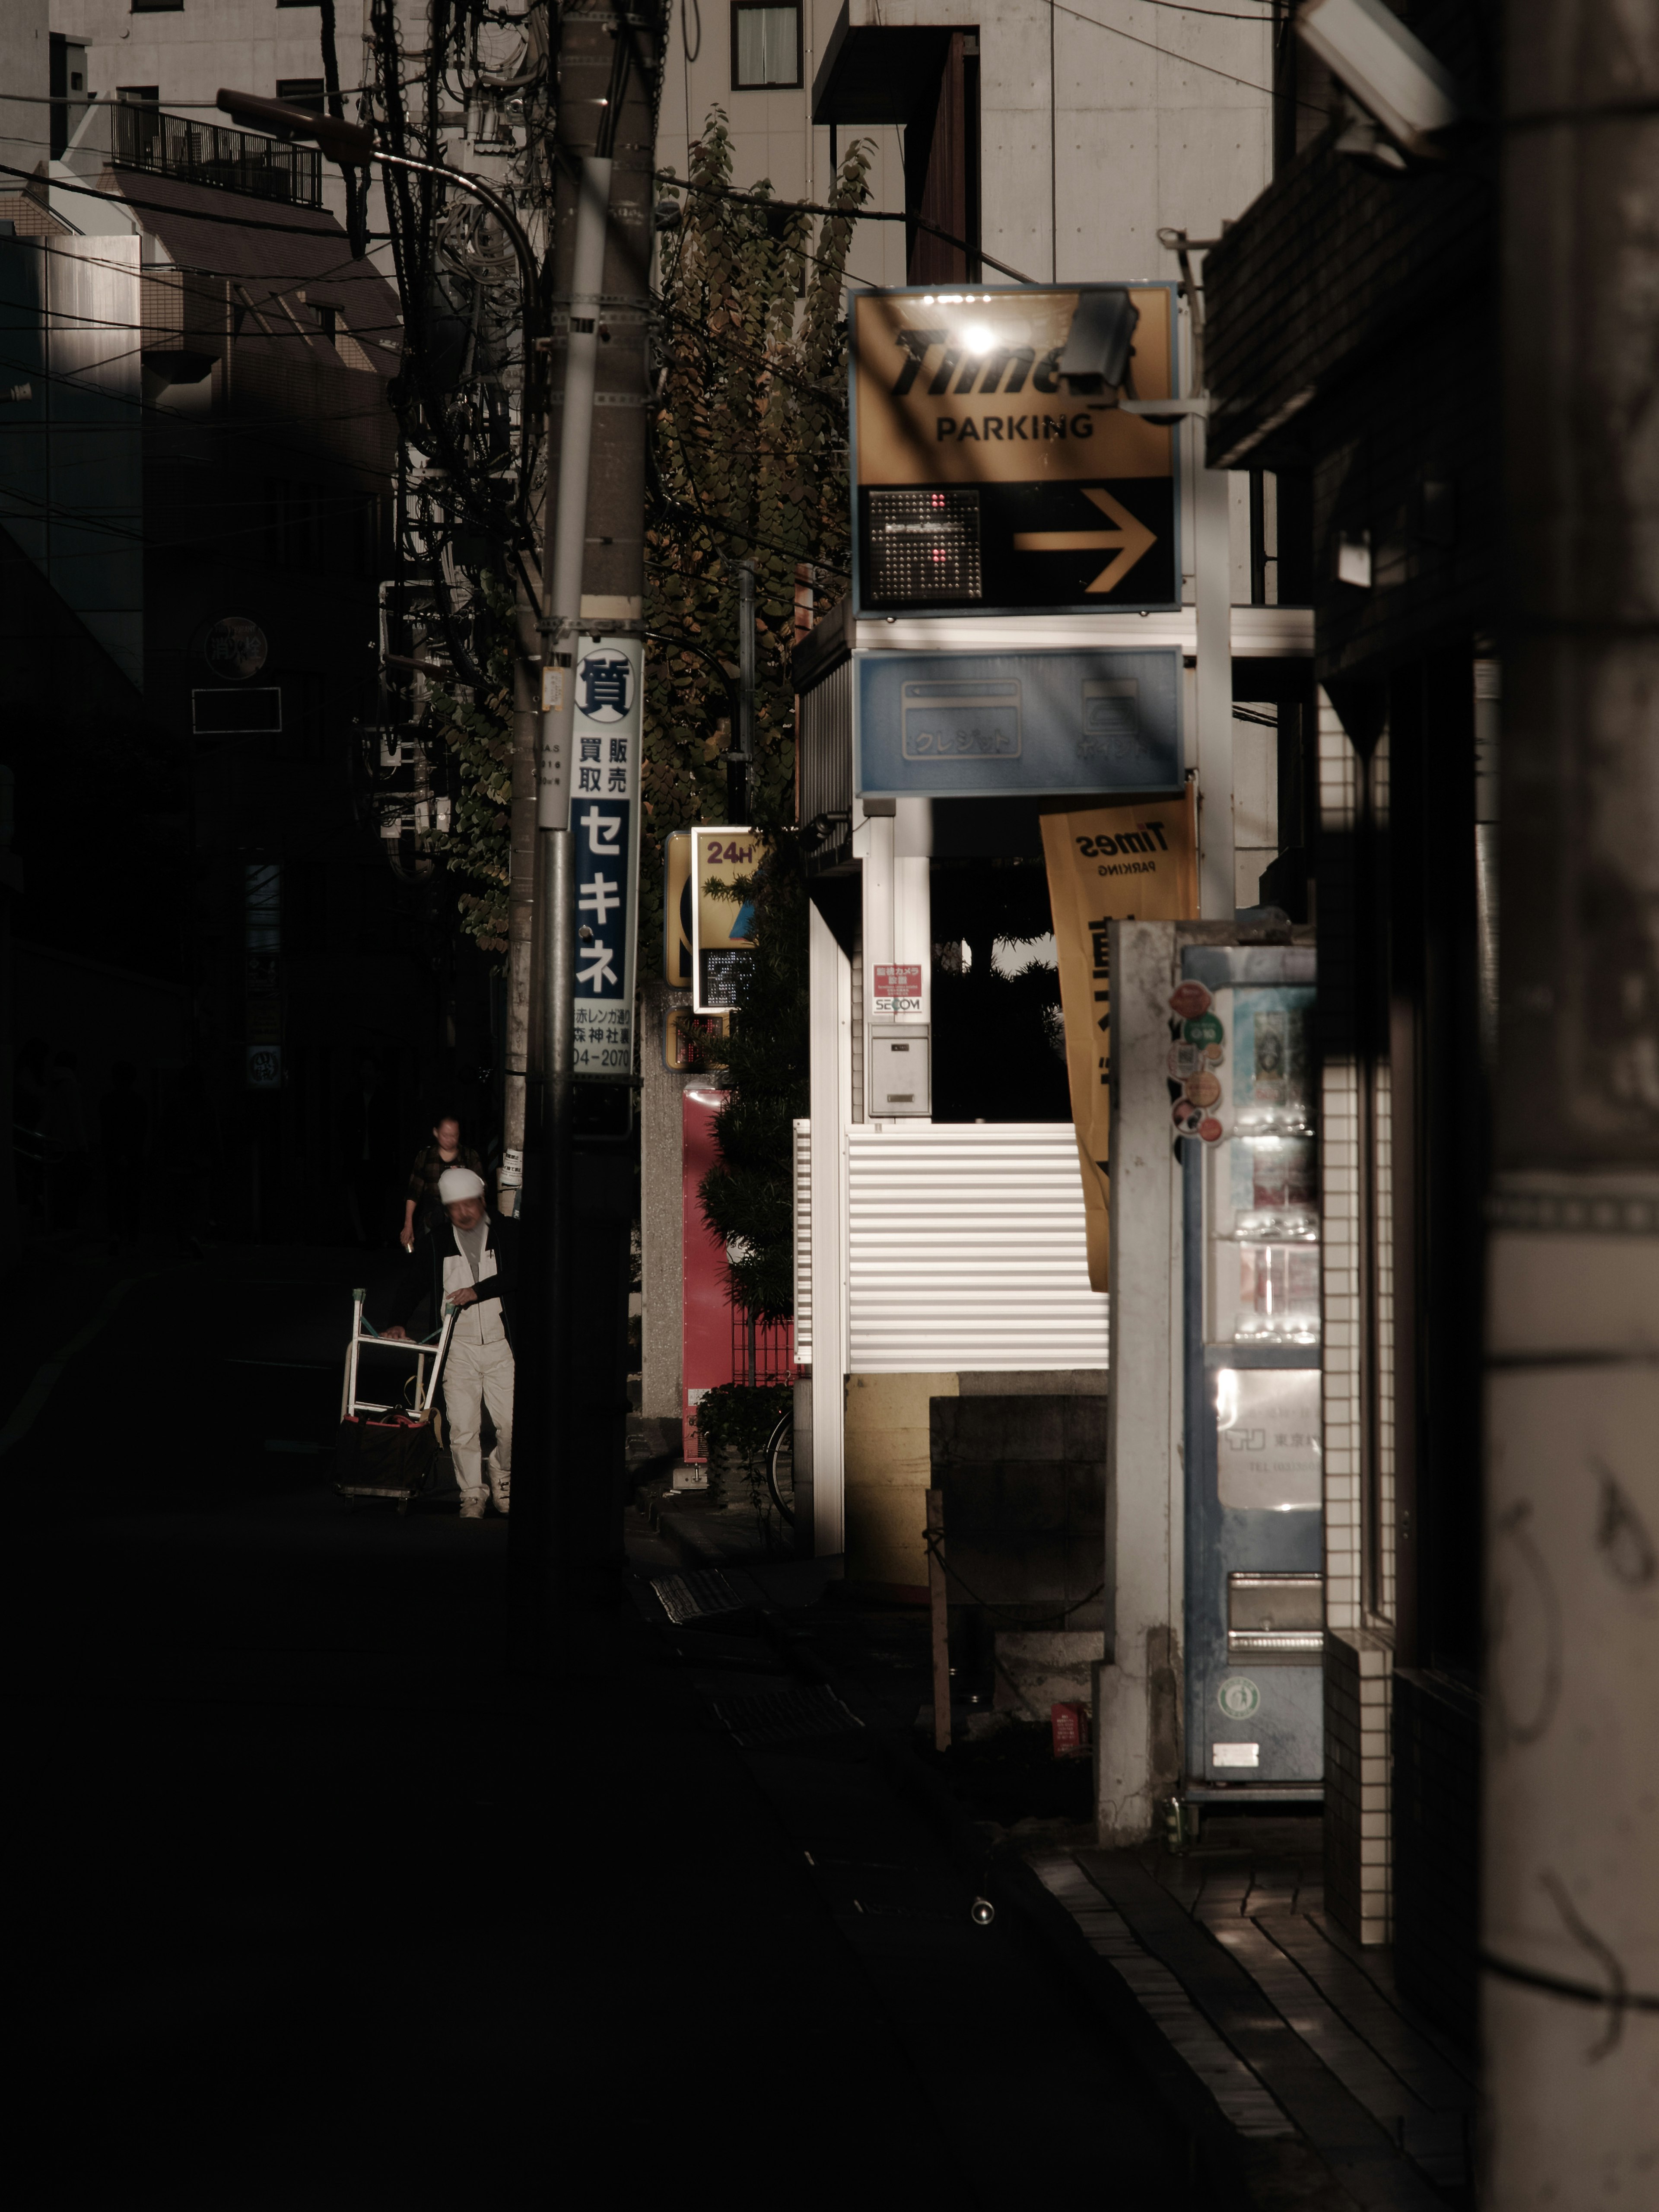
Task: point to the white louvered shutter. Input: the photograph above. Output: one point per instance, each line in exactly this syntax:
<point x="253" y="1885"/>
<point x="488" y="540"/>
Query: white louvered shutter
<point x="803" y="1243"/>
<point x="967" y="1249"/>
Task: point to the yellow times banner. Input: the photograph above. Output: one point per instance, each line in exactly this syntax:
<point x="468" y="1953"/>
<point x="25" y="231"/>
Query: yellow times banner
<point x="1109" y="864"/>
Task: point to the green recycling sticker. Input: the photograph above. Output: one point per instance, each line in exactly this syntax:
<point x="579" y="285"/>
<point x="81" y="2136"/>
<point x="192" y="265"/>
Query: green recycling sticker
<point x="1239" y="1698"/>
<point x="1202" y="1030"/>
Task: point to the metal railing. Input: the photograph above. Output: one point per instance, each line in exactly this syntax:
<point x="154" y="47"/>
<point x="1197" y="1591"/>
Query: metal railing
<point x="144" y="137"/>
<point x="762" y="1352"/>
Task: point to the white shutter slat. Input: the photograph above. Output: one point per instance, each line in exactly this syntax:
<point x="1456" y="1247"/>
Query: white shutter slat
<point x="803" y="1243"/>
<point x="967" y="1248"/>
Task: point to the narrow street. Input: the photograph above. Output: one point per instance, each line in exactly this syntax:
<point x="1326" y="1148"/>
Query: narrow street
<point x="343" y="1913"/>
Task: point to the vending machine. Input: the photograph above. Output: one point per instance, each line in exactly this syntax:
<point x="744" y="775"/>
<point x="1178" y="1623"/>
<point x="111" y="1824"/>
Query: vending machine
<point x="1242" y="1069"/>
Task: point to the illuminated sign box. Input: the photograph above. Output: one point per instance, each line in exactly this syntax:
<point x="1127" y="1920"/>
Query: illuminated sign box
<point x="993" y="468"/>
<point x="968" y="725"/>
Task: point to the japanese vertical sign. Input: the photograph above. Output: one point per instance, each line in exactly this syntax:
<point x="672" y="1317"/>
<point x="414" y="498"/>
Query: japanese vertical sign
<point x="1109" y="864"/>
<point x="605" y="821"/>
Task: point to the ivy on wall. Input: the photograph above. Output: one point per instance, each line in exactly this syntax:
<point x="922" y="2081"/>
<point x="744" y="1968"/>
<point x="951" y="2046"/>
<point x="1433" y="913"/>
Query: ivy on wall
<point x="748" y="460"/>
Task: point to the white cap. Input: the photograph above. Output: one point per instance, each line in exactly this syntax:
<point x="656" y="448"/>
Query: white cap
<point x="458" y="1182"/>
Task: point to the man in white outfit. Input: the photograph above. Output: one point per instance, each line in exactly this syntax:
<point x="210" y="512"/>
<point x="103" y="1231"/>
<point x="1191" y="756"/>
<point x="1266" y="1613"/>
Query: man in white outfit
<point x="473" y="1266"/>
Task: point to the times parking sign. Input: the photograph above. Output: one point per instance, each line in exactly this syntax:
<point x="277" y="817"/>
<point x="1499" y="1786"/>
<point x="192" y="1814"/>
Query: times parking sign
<point x="995" y="470"/>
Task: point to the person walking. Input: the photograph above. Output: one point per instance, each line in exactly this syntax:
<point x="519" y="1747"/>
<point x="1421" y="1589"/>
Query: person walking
<point x="423" y="1211"/>
<point x="474" y="1266"/>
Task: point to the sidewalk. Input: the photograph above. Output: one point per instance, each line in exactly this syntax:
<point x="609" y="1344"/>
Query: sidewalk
<point x="338" y="1910"/>
<point x="1284" y="2046"/>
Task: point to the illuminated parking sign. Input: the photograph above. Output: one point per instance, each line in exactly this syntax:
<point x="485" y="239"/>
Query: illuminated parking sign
<point x="993" y="469"/>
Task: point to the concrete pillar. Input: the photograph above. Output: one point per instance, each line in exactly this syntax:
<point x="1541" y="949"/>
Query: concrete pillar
<point x="661" y="1226"/>
<point x="1213" y="690"/>
<point x="1137" y="1698"/>
<point x="1570" y="1908"/>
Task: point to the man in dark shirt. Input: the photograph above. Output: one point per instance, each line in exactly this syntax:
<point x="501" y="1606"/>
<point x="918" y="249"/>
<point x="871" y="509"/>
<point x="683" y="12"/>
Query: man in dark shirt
<point x="422" y="1210"/>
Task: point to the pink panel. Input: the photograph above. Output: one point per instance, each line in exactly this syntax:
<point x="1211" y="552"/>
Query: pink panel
<point x="706" y="1304"/>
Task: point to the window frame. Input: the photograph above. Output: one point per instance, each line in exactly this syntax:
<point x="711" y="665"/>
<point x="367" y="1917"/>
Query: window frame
<point x="750" y="7"/>
<point x="317" y="90"/>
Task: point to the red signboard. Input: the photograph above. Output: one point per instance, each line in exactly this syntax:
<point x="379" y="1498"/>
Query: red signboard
<point x="898" y="989"/>
<point x="706" y="1341"/>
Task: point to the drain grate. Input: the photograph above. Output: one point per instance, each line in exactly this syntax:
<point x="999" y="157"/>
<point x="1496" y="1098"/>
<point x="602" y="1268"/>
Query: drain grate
<point x="784" y="1716"/>
<point x="696" y="1596"/>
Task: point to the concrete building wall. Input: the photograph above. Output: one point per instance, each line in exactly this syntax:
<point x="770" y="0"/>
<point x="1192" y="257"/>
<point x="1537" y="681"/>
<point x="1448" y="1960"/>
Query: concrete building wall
<point x="1092" y="135"/>
<point x="25" y="67"/>
<point x="662" y="1224"/>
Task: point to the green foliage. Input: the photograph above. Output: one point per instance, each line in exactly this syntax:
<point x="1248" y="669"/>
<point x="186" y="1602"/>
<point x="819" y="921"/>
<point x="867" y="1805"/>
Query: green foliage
<point x="750" y="458"/>
<point x="735" y="1421"/>
<point x="750" y="454"/>
<point x="479" y="845"/>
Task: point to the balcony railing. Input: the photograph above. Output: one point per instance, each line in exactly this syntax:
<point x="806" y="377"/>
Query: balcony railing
<point x="204" y="154"/>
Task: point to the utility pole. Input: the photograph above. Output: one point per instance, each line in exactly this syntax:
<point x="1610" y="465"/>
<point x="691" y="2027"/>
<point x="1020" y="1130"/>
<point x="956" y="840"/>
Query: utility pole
<point x="571" y="1461"/>
<point x="741" y="753"/>
<point x="1570" y="1913"/>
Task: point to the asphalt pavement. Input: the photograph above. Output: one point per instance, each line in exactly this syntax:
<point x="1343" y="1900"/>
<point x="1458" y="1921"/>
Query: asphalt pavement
<point x="337" y="1910"/>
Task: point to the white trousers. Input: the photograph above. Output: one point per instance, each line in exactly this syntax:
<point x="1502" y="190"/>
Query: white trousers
<point x="476" y="1376"/>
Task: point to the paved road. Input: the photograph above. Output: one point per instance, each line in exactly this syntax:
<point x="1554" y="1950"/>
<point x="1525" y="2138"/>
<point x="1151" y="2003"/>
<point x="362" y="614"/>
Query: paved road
<point x="340" y="1912"/>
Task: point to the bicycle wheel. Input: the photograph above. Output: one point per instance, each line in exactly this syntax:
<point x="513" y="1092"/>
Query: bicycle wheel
<point x="781" y="1466"/>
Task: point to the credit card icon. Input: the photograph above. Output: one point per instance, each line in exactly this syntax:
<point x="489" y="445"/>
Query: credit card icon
<point x="1111" y="721"/>
<point x="961" y="721"/>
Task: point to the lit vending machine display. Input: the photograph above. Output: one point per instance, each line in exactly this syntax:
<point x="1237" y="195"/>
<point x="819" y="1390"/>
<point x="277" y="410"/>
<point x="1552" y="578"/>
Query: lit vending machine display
<point x="1241" y="1056"/>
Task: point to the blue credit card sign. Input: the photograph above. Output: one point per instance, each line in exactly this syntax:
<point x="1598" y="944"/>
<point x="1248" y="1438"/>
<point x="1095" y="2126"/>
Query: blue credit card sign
<point x="968" y="725"/>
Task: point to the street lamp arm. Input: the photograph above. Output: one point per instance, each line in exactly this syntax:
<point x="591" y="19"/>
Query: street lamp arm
<point x="352" y="146"/>
<point x="686" y="645"/>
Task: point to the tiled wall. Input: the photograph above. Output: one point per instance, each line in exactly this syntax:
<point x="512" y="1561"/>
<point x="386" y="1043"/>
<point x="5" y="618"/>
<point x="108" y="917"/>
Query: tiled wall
<point x="1357" y="1662"/>
<point x="1358" y="1848"/>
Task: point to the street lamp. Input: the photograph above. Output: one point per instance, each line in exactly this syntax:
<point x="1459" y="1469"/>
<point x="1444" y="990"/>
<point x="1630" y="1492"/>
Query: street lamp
<point x="352" y="146"/>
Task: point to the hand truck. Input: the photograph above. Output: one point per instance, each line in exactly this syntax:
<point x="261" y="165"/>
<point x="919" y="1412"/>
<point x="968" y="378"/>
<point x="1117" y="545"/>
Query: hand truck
<point x="390" y="1450"/>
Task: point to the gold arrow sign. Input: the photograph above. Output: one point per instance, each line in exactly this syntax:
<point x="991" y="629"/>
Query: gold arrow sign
<point x="1130" y="540"/>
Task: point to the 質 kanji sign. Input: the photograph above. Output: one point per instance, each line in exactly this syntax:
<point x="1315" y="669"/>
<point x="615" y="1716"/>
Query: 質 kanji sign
<point x="605" y="822"/>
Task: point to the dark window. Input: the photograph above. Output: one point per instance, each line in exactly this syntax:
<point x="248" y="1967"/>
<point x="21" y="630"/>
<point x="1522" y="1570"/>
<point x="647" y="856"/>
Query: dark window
<point x="942" y="170"/>
<point x="304" y="717"/>
<point x="294" y="534"/>
<point x="303" y="92"/>
<point x="147" y="95"/>
<point x="309" y="525"/>
<point x="998" y="1043"/>
<point x="766" y="46"/>
<point x="158" y="7"/>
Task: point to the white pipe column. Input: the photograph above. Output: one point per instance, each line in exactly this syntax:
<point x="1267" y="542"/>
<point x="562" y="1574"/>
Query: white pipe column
<point x="1218" y="898"/>
<point x="1138" y="1697"/>
<point x="876" y="836"/>
<point x="913" y="930"/>
<point x="830" y="983"/>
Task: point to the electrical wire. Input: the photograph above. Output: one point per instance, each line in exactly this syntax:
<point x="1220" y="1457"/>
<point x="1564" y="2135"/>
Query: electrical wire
<point x="1186" y="61"/>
